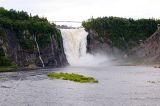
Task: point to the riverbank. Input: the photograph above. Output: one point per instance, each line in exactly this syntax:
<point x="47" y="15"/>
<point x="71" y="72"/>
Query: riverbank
<point x="16" y="68"/>
<point x="4" y="69"/>
<point x="10" y="68"/>
<point x="21" y="69"/>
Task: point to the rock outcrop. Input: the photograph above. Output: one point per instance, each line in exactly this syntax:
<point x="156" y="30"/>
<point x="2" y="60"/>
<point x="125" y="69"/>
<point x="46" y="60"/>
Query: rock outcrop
<point x="148" y="51"/>
<point x="27" y="40"/>
<point x="53" y="54"/>
<point x="96" y="44"/>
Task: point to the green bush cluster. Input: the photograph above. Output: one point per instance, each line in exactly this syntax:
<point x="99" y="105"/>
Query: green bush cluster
<point x="4" y="61"/>
<point x="8" y="68"/>
<point x="123" y="33"/>
<point x="73" y="77"/>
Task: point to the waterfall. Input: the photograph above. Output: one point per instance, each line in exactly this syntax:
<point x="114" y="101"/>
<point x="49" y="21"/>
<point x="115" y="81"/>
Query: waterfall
<point x="75" y="43"/>
<point x="39" y="54"/>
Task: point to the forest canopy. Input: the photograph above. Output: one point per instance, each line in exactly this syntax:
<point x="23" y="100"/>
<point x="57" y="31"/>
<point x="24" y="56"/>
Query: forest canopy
<point x="26" y="28"/>
<point x="122" y="32"/>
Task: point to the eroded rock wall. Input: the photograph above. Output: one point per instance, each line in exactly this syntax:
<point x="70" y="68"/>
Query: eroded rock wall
<point x="96" y="44"/>
<point x="53" y="54"/>
<point x="148" y="51"/>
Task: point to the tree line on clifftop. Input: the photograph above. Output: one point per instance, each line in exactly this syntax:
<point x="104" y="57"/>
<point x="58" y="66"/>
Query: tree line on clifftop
<point x="122" y="32"/>
<point x="25" y="27"/>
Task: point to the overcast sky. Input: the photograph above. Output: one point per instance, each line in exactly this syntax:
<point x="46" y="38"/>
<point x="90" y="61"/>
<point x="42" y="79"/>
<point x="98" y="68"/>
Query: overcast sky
<point x="79" y="10"/>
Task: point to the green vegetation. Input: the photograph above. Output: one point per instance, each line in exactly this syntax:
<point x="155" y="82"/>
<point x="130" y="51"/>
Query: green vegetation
<point x="73" y="77"/>
<point x="8" y="68"/>
<point x="123" y="33"/>
<point x="4" y="61"/>
<point x="25" y="29"/>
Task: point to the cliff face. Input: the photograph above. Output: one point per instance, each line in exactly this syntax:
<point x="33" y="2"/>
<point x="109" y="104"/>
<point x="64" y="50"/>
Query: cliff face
<point x="52" y="55"/>
<point x="96" y="44"/>
<point x="29" y="40"/>
<point x="149" y="51"/>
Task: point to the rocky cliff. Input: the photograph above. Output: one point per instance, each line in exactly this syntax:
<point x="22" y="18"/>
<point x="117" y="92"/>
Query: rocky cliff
<point x="96" y="44"/>
<point x="148" y="51"/>
<point x="52" y="55"/>
<point x="29" y="40"/>
<point x="115" y="34"/>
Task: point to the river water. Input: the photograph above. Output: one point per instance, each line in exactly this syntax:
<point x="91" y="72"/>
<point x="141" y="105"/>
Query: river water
<point x="118" y="86"/>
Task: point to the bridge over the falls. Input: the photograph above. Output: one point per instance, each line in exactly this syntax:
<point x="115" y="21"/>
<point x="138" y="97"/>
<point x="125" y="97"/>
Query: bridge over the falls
<point x="66" y="21"/>
<point x="67" y="24"/>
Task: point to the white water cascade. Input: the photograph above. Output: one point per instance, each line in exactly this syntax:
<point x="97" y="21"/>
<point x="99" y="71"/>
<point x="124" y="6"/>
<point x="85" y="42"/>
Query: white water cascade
<point x="75" y="42"/>
<point x="39" y="54"/>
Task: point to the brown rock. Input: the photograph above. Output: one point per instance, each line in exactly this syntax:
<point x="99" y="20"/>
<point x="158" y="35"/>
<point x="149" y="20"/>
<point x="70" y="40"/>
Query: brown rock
<point x="149" y="51"/>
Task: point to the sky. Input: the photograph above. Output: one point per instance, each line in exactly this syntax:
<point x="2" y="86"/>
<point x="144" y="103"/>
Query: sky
<point x="81" y="10"/>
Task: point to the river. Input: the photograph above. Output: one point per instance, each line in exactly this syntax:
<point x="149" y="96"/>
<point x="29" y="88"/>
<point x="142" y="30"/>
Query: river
<point x="118" y="86"/>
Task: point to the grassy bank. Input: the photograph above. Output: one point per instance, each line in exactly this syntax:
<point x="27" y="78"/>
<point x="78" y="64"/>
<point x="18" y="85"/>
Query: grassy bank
<point x="72" y="77"/>
<point x="8" y="68"/>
